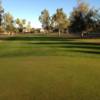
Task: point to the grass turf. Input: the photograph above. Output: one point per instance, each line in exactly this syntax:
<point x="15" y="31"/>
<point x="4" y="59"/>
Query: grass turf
<point x="49" y="68"/>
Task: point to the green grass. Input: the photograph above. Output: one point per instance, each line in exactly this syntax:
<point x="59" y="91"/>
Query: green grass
<point x="49" y="68"/>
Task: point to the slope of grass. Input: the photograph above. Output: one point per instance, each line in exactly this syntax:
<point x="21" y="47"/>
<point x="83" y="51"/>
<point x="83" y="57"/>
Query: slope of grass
<point x="45" y="46"/>
<point x="49" y="68"/>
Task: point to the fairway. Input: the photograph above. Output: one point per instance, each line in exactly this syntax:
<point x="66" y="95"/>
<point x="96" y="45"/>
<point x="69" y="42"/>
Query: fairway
<point x="49" y="68"/>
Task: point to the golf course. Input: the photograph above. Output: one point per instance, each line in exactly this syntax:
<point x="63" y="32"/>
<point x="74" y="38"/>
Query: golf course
<point x="49" y="68"/>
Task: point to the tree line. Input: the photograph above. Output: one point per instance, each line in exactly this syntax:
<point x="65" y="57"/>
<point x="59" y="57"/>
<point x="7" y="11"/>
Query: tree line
<point x="82" y="19"/>
<point x="10" y="25"/>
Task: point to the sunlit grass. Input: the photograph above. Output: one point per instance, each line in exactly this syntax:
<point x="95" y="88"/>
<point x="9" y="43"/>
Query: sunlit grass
<point x="49" y="68"/>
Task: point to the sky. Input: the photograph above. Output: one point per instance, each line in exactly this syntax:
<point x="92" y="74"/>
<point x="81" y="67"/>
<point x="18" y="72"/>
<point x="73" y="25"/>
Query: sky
<point x="31" y="9"/>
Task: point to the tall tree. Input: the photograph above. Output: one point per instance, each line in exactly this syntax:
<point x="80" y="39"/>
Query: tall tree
<point x="84" y="19"/>
<point x="28" y="26"/>
<point x="1" y="16"/>
<point x="78" y="17"/>
<point x="1" y="13"/>
<point x="59" y="20"/>
<point x="8" y="22"/>
<point x="96" y="19"/>
<point x="44" y="18"/>
<point x="23" y="23"/>
<point x="20" y="24"/>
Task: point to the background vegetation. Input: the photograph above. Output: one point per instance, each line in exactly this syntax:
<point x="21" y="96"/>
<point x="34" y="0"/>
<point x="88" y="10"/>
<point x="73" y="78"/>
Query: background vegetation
<point x="82" y="20"/>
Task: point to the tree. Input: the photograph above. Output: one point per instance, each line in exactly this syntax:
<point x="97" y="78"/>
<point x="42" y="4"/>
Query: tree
<point x="44" y="18"/>
<point x="28" y="26"/>
<point x="83" y="19"/>
<point x="1" y="13"/>
<point x="20" y="24"/>
<point x="23" y="23"/>
<point x="78" y="17"/>
<point x="1" y="16"/>
<point x="96" y="19"/>
<point x="59" y="20"/>
<point x="8" y="22"/>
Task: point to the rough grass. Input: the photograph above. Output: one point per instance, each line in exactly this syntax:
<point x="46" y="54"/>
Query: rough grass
<point x="49" y="68"/>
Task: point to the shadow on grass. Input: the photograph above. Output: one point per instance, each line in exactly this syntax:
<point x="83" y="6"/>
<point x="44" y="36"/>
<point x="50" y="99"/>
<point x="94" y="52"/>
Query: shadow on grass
<point x="58" y="42"/>
<point x="85" y="48"/>
<point x="90" y="48"/>
<point x="68" y="44"/>
<point x="93" y="46"/>
<point x="34" y="38"/>
<point x="88" y="51"/>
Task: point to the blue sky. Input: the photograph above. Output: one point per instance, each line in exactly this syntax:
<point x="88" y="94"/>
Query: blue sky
<point x="31" y="9"/>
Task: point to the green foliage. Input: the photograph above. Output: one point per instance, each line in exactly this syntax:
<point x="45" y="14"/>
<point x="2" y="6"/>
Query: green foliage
<point x="59" y="20"/>
<point x="77" y="18"/>
<point x="8" y="22"/>
<point x="20" y="24"/>
<point x="83" y="18"/>
<point x="28" y="26"/>
<point x="44" y="18"/>
<point x="1" y="13"/>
